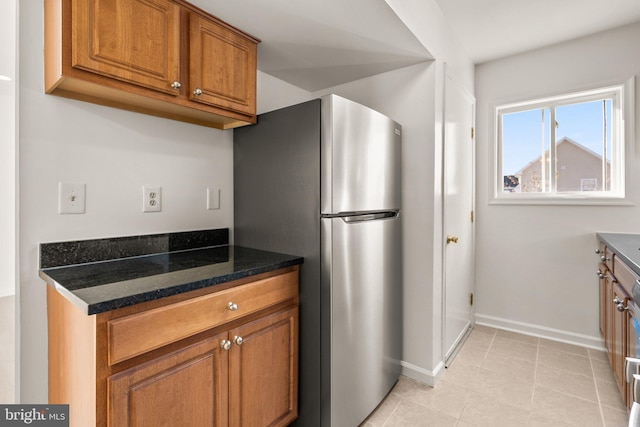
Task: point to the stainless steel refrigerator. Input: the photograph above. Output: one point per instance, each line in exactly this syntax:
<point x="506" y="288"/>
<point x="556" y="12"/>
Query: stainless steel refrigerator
<point x="322" y="180"/>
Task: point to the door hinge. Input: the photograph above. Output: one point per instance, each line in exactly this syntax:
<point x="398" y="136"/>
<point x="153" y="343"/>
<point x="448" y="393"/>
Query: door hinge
<point x="471" y="216"/>
<point x="473" y="133"/>
<point x="471" y="298"/>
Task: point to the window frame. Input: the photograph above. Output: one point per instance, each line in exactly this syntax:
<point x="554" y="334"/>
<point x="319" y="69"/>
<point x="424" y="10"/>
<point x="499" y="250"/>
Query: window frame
<point x="622" y="130"/>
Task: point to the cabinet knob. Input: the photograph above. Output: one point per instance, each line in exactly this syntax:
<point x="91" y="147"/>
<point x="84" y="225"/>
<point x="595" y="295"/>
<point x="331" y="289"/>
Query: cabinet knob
<point x="621" y="308"/>
<point x="232" y="306"/>
<point x="617" y="301"/>
<point x="600" y="274"/>
<point x="238" y="340"/>
<point x="197" y="92"/>
<point x="225" y="344"/>
<point x="604" y="258"/>
<point x="176" y="85"/>
<point x="453" y="239"/>
<point x="598" y="251"/>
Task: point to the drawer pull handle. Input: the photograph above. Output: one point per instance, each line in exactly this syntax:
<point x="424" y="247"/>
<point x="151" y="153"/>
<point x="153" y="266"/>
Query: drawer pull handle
<point x="238" y="340"/>
<point x="232" y="306"/>
<point x="225" y="344"/>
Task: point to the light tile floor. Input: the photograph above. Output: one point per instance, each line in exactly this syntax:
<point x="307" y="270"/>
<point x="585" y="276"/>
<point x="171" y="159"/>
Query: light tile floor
<point x="504" y="379"/>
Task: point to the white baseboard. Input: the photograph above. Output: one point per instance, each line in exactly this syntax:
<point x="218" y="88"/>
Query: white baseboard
<point x="541" y="332"/>
<point x="422" y="375"/>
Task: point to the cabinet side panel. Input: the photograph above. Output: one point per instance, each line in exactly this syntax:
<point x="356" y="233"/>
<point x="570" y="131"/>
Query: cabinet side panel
<point x="72" y="359"/>
<point x="52" y="44"/>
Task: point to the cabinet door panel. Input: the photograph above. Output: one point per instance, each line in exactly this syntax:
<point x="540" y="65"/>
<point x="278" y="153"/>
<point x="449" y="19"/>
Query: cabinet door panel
<point x="619" y="338"/>
<point x="602" y="289"/>
<point x="184" y="388"/>
<point x="263" y="370"/>
<point x="222" y="66"/>
<point x="608" y="313"/>
<point x="631" y="352"/>
<point x="137" y="41"/>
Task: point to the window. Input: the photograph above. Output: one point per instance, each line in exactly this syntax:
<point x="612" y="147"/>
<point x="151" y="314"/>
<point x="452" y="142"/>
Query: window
<point x="562" y="148"/>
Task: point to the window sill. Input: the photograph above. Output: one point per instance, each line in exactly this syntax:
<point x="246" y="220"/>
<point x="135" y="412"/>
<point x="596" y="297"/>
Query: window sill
<point x="560" y="200"/>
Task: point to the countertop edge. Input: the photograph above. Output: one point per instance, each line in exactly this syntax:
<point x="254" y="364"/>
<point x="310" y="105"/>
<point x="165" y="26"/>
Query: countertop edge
<point x="615" y="242"/>
<point x="179" y="288"/>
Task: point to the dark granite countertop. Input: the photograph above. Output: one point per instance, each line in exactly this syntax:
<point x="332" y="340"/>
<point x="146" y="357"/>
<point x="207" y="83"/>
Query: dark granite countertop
<point x="626" y="246"/>
<point x="109" y="277"/>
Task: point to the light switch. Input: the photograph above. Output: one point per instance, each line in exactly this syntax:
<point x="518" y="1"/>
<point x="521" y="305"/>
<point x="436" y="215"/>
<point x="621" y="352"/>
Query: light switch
<point x="213" y="199"/>
<point x="71" y="198"/>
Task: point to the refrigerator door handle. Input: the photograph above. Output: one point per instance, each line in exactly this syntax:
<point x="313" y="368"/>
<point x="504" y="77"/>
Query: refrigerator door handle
<point x="369" y="216"/>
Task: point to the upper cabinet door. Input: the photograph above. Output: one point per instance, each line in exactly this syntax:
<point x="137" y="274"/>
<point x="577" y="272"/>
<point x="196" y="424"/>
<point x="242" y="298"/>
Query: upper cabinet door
<point x="222" y="66"/>
<point x="137" y="41"/>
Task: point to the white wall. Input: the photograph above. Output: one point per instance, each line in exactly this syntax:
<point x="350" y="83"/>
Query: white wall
<point x="7" y="149"/>
<point x="536" y="264"/>
<point x="413" y="97"/>
<point x="423" y="238"/>
<point x="114" y="152"/>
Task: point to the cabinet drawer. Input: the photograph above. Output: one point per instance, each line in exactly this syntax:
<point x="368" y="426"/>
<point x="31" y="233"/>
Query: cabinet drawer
<point x="624" y="275"/>
<point x="135" y="334"/>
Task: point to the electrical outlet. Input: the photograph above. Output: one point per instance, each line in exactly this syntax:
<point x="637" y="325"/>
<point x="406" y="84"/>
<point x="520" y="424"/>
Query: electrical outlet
<point x="151" y="199"/>
<point x="71" y="198"/>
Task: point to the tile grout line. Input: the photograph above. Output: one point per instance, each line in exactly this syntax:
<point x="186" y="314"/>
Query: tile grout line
<point x="595" y="384"/>
<point x="535" y="378"/>
<point x="392" y="412"/>
<point x="468" y="388"/>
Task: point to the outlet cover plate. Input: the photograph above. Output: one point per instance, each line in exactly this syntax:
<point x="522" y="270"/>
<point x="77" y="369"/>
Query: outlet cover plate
<point x="71" y="198"/>
<point x="151" y="198"/>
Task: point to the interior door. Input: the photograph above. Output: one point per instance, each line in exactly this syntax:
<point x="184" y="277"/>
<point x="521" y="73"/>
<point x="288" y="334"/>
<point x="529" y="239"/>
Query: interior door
<point x="458" y="208"/>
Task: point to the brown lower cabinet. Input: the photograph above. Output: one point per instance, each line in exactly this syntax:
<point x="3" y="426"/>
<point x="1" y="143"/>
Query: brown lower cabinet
<point x="235" y="367"/>
<point x="616" y="315"/>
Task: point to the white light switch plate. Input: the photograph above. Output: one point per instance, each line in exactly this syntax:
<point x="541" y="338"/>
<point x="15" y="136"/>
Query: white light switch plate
<point x="213" y="199"/>
<point x="71" y="198"/>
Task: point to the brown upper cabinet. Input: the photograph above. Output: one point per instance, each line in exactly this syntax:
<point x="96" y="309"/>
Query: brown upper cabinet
<point x="161" y="57"/>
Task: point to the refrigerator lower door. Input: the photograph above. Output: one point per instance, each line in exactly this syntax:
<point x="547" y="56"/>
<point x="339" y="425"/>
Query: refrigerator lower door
<point x="362" y="280"/>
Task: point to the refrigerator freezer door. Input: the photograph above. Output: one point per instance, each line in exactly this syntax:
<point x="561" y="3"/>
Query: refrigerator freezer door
<point x="361" y="158"/>
<point x="364" y="285"/>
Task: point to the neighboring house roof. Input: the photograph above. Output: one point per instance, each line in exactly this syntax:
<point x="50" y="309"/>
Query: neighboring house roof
<point x="564" y="140"/>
